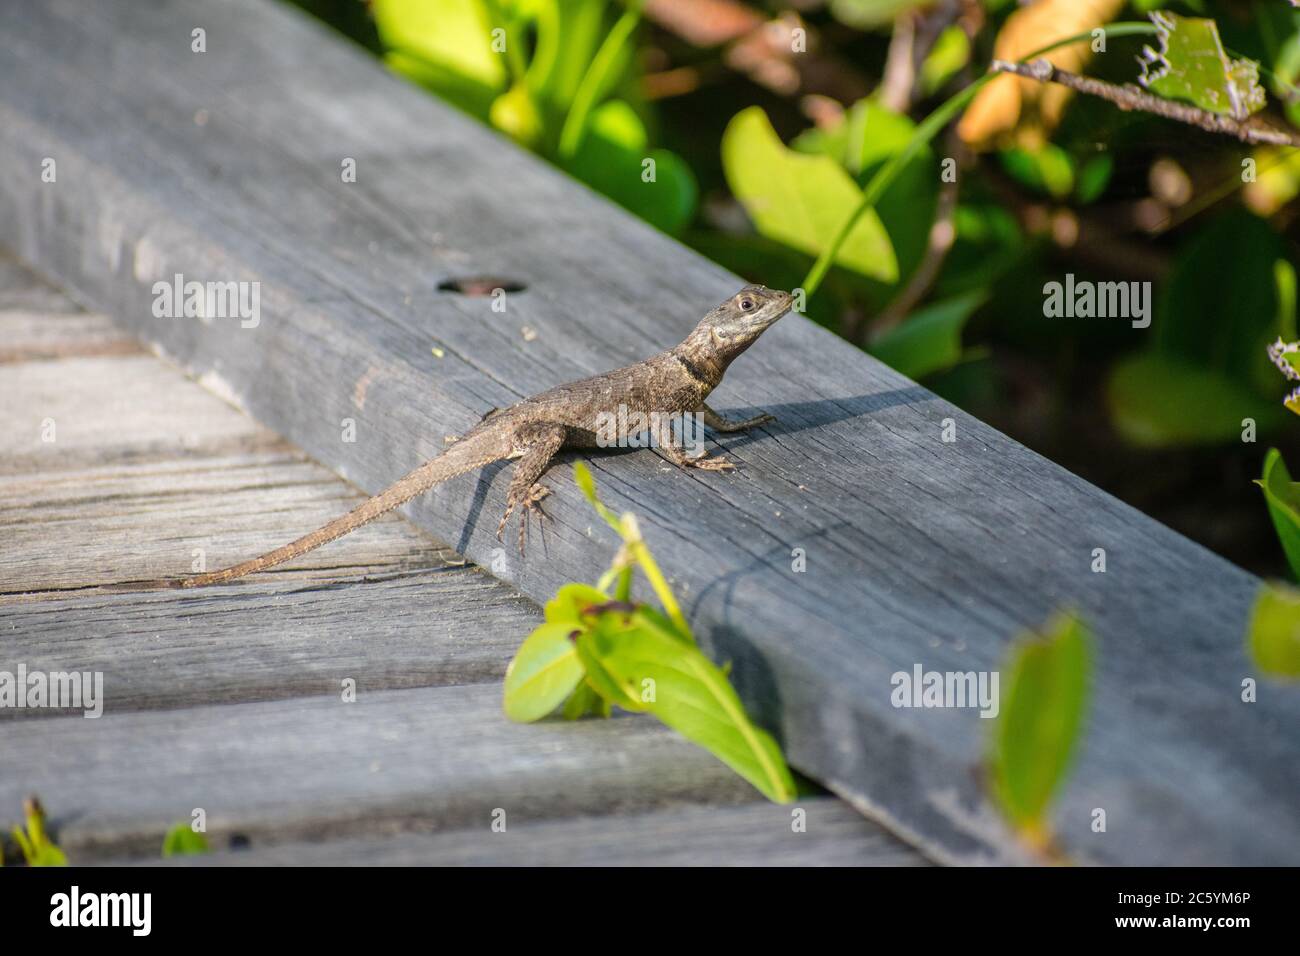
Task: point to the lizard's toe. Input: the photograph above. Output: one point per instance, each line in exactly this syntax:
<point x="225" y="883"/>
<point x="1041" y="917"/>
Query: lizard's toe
<point x="714" y="464"/>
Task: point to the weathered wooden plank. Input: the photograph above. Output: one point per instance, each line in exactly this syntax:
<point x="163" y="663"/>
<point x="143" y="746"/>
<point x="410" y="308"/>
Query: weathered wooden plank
<point x="918" y="550"/>
<point x="759" y="834"/>
<point x="22" y="290"/>
<point x="273" y="639"/>
<point x="26" y="336"/>
<point x="87" y="526"/>
<point x="142" y="456"/>
<point x="317" y="768"/>
<point x="424" y="622"/>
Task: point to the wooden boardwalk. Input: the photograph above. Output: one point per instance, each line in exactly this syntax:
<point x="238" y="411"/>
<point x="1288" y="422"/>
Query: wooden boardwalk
<point x="225" y="166"/>
<point x="231" y="699"/>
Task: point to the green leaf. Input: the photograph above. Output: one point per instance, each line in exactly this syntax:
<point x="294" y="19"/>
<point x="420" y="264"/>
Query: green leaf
<point x="1274" y="635"/>
<point x="867" y="14"/>
<point x="1093" y="178"/>
<point x="1048" y="169"/>
<point x="596" y="82"/>
<point x="1192" y="65"/>
<point x="462" y="92"/>
<point x="930" y="340"/>
<point x="869" y="137"/>
<point x="1038" y="729"/>
<point x="949" y="54"/>
<point x="583" y="701"/>
<point x="1159" y="401"/>
<point x="800" y="199"/>
<point x="939" y="118"/>
<point x="1285" y="283"/>
<point x="612" y="159"/>
<point x="445" y="45"/>
<point x="568" y="35"/>
<point x="1283" y="498"/>
<point x="544" y="672"/>
<point x="181" y="840"/>
<point x="594" y="645"/>
<point x="47" y="854"/>
<point x="570" y="601"/>
<point x="684" y="689"/>
<point x="516" y="115"/>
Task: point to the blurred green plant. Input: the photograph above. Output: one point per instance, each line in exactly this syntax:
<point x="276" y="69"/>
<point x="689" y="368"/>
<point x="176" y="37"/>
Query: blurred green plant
<point x="1283" y="498"/>
<point x="1273" y="639"/>
<point x="1037" y="732"/>
<point x="598" y="649"/>
<point x="182" y="840"/>
<point x="33" y="841"/>
<point x="1207" y="371"/>
<point x="553" y="75"/>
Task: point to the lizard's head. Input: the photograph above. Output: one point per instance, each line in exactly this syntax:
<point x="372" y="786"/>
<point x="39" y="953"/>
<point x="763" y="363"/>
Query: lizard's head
<point x="734" y="325"/>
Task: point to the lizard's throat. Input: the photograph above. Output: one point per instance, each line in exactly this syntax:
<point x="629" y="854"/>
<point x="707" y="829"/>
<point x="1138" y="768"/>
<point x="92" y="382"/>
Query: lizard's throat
<point x="704" y="367"/>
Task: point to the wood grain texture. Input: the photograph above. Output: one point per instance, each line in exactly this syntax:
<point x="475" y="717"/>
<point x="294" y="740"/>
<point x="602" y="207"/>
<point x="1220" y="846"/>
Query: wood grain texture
<point x="918" y="551"/>
<point x="317" y="768"/>
<point x="146" y="470"/>
<point x="271" y="639"/>
<point x="757" y="834"/>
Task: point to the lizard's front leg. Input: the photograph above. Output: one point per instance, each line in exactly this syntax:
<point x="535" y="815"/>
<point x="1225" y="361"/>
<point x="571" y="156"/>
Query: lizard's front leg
<point x="535" y="444"/>
<point x="719" y="424"/>
<point x="673" y="448"/>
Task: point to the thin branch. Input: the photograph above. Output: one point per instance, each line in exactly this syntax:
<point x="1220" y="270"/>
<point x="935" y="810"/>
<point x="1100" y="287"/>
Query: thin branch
<point x="1130" y="97"/>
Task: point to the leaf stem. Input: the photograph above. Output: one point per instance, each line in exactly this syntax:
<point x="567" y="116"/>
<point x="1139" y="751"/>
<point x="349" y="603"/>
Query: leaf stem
<point x="593" y="82"/>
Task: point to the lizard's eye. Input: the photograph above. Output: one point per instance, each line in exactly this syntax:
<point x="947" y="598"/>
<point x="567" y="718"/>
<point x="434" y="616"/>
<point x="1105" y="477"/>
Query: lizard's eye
<point x="746" y="305"/>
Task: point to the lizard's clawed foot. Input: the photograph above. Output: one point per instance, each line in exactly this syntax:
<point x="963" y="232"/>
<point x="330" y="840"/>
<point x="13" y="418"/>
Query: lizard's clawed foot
<point x="706" y="463"/>
<point x="530" y="503"/>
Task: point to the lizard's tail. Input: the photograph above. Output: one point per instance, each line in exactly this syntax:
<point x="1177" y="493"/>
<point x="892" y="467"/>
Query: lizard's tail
<point x="469" y="453"/>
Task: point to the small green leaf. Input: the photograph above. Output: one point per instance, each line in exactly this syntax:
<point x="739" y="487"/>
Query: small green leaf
<point x="1192" y="65"/>
<point x="34" y="842"/>
<point x="516" y="115"/>
<point x="1094" y="176"/>
<point x="583" y="701"/>
<point x="614" y="159"/>
<point x="949" y="54"/>
<point x="47" y="854"/>
<point x="1274" y="635"/>
<point x="447" y="46"/>
<point x="1042" y="711"/>
<point x="182" y="840"/>
<point x="678" y="684"/>
<point x="1283" y="498"/>
<point x="930" y="340"/>
<point x="543" y="673"/>
<point x="1159" y="401"/>
<point x="1048" y="169"/>
<point x="801" y="199"/>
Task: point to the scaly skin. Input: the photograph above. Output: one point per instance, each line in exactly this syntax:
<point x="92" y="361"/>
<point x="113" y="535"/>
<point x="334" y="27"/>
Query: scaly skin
<point x="673" y="382"/>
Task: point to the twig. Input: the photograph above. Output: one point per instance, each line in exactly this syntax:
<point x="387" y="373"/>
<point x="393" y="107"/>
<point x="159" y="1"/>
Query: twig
<point x="1130" y="97"/>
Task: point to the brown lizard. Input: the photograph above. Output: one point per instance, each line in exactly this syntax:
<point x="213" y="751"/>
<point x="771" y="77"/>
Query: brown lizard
<point x="672" y="383"/>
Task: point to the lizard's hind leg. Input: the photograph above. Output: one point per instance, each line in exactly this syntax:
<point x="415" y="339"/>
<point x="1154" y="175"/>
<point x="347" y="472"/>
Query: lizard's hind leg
<point x="537" y="442"/>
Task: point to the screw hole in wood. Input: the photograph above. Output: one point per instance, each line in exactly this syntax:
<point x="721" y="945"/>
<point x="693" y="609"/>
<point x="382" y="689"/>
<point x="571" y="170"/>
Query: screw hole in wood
<point x="480" y="285"/>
